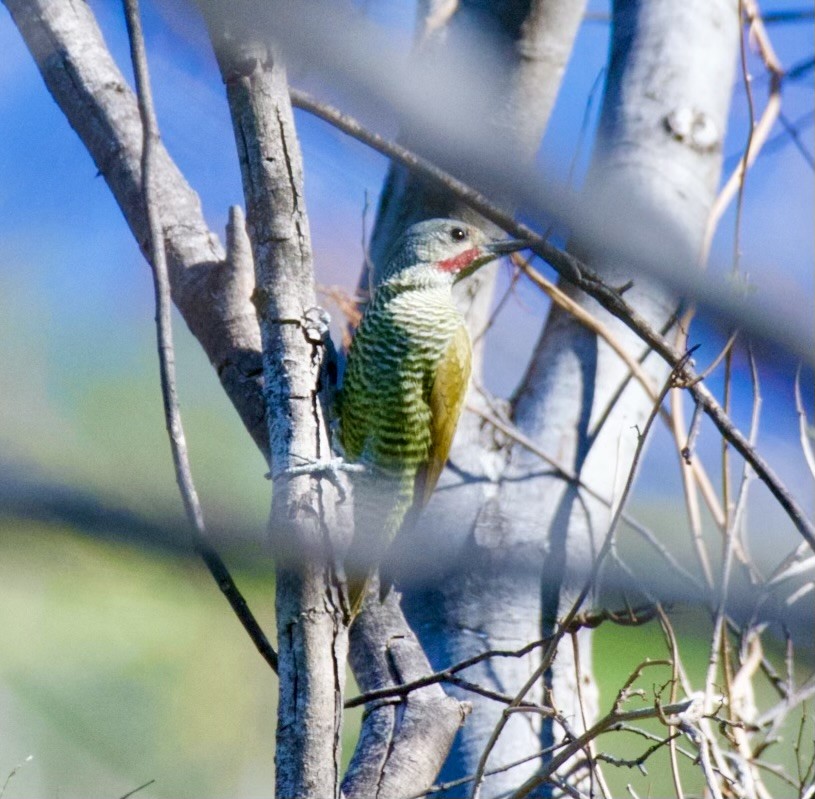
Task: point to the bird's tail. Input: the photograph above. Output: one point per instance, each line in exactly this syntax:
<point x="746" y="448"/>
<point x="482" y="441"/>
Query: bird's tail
<point x="357" y="588"/>
<point x="380" y="508"/>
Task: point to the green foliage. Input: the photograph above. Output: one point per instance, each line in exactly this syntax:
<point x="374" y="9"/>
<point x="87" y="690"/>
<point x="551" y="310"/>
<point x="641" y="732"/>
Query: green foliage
<point x="127" y="666"/>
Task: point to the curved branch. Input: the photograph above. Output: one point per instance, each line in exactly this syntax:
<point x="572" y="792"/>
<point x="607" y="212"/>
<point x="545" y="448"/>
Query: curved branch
<point x="211" y="292"/>
<point x="581" y="276"/>
<point x="166" y="352"/>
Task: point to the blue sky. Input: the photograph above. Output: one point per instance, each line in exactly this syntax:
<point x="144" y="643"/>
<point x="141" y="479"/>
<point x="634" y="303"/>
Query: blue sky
<point x="71" y="276"/>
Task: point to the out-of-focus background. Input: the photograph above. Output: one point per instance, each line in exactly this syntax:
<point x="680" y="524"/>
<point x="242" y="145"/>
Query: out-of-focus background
<point x="119" y="660"/>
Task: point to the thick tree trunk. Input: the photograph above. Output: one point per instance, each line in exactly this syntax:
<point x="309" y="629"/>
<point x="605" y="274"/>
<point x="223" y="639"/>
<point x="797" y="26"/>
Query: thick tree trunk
<point x="306" y="512"/>
<point x="523" y="546"/>
<point x="536" y="38"/>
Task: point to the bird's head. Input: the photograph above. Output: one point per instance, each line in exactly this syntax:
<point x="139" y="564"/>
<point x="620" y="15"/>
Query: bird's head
<point x="441" y="251"/>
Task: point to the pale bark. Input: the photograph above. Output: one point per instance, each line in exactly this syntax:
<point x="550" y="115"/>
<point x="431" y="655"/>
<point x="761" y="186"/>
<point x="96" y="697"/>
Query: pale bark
<point x="403" y="741"/>
<point x="524" y="547"/>
<point x="211" y="292"/>
<point x="537" y="38"/>
<point x="305" y="522"/>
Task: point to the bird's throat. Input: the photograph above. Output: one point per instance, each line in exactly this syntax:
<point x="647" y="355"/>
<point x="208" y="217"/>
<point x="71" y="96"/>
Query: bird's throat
<point x="459" y="262"/>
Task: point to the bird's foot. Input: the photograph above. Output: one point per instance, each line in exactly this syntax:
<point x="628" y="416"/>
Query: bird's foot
<point x="315" y="323"/>
<point x="329" y="468"/>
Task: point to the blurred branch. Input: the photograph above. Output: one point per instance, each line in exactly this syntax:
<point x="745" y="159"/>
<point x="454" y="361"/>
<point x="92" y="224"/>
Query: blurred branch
<point x="133" y="792"/>
<point x="793" y="129"/>
<point x="791" y="15"/>
<point x="780" y="17"/>
<point x="578" y="273"/>
<point x="166" y="351"/>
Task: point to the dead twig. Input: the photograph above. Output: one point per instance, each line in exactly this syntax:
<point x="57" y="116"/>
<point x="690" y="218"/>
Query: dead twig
<point x="166" y="353"/>
<point x="574" y="270"/>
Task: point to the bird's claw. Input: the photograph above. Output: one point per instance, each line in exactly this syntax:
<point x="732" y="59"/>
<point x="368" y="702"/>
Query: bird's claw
<point x="329" y="468"/>
<point x="315" y="323"/>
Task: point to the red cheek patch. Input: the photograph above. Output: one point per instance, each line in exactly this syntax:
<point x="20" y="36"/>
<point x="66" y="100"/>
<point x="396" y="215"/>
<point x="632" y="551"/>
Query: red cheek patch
<point x="460" y="261"/>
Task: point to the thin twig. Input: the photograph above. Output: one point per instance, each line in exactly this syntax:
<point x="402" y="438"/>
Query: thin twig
<point x="751" y="124"/>
<point x="704" y="759"/>
<point x="504" y="699"/>
<point x="136" y="790"/>
<point x="607" y="722"/>
<point x="693" y="432"/>
<point x="639" y="761"/>
<point x="12" y="773"/>
<point x="724" y="352"/>
<point x="440" y="676"/>
<point x="499" y="306"/>
<point x="166" y="353"/>
<point x="574" y="270"/>
<point x="670" y="637"/>
<point x="759" y="132"/>
<point x="590" y="322"/>
<point x="552" y="645"/>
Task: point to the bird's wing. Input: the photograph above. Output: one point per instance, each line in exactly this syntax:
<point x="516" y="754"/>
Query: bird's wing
<point x="446" y="400"/>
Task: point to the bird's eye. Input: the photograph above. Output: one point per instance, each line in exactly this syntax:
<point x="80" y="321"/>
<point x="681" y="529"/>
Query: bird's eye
<point x="458" y="234"/>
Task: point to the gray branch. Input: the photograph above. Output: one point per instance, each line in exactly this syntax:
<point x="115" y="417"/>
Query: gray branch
<point x="211" y="292"/>
<point x="305" y="520"/>
<point x="403" y="742"/>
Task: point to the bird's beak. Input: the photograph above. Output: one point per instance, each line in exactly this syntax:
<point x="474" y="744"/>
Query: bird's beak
<point x="491" y="251"/>
<point x="506" y="246"/>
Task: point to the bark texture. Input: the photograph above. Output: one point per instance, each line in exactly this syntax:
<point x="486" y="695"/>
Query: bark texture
<point x="522" y="539"/>
<point x="404" y="741"/>
<point x="305" y="522"/>
<point x="212" y="292"/>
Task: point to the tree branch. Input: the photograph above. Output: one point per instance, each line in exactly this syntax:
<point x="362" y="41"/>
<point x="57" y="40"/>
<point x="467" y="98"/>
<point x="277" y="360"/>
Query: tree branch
<point x="307" y="522"/>
<point x="166" y="353"/>
<point x="211" y="292"/>
<point x="401" y="744"/>
<point x="583" y="277"/>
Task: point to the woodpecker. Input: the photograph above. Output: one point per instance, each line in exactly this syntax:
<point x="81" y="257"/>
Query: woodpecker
<point x="406" y="377"/>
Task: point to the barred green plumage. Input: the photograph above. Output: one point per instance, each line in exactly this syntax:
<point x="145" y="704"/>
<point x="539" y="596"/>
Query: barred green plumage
<point x="405" y="382"/>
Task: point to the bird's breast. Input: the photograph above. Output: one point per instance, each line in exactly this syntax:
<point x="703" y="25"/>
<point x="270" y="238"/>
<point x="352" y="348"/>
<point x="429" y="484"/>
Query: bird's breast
<point x="385" y="415"/>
